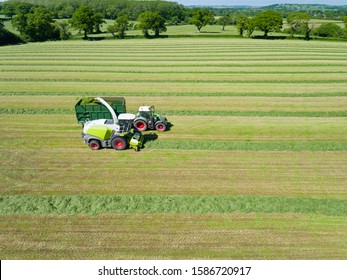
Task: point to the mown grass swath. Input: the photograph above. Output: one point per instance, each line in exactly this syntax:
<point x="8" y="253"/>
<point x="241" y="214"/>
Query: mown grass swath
<point x="54" y="111"/>
<point x="167" y="204"/>
<point x="248" y="146"/>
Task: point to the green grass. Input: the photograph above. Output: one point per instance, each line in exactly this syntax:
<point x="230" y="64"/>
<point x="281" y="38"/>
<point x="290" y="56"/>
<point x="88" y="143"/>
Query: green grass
<point x="184" y="236"/>
<point x="69" y="168"/>
<point x="68" y="205"/>
<point x="192" y="105"/>
<point x="254" y="165"/>
<point x="247" y="146"/>
<point x="55" y="111"/>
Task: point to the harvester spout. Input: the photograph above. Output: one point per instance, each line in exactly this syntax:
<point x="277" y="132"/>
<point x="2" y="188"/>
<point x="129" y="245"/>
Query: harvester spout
<point x="114" y="116"/>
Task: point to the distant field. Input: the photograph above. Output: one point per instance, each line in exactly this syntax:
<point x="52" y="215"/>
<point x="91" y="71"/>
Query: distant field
<point x="253" y="167"/>
<point x="189" y="30"/>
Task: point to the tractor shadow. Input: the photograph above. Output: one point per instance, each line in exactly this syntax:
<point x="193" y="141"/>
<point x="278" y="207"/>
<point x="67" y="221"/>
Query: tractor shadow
<point x="168" y="126"/>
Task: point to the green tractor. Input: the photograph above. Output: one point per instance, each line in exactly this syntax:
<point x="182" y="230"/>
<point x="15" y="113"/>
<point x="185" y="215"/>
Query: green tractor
<point x="115" y="133"/>
<point x="146" y="119"/>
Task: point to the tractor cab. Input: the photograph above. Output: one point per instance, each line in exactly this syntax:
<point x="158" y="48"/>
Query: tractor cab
<point x="146" y="112"/>
<point x="147" y="119"/>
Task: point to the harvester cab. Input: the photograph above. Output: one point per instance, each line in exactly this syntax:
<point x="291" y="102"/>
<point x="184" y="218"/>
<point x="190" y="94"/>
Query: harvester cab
<point x="115" y="132"/>
<point x="146" y="118"/>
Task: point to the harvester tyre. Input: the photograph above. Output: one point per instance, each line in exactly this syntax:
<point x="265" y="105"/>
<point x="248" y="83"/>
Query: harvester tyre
<point x="119" y="143"/>
<point x="160" y="126"/>
<point x="140" y="125"/>
<point x="94" y="145"/>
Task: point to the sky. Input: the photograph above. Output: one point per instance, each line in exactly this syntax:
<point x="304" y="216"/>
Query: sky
<point x="258" y="2"/>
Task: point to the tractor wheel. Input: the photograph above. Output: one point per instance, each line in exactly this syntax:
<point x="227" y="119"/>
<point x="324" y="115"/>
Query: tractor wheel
<point x="119" y="143"/>
<point x="140" y="125"/>
<point x="94" y="145"/>
<point x="160" y="126"/>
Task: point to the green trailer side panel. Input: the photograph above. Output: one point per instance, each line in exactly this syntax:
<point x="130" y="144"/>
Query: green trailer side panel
<point x="102" y="132"/>
<point x="96" y="111"/>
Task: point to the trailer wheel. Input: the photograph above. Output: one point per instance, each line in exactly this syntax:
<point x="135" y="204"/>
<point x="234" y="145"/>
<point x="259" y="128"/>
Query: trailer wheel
<point x="118" y="143"/>
<point x="140" y="125"/>
<point x="160" y="126"/>
<point x="94" y="145"/>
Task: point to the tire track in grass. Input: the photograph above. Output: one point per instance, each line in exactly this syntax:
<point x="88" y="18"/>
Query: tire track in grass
<point x="168" y="204"/>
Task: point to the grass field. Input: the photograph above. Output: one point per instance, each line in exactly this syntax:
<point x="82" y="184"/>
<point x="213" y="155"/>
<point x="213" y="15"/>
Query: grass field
<point x="253" y="167"/>
<point x="185" y="30"/>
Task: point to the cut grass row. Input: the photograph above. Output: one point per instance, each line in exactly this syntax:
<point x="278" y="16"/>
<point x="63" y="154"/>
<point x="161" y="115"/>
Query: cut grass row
<point x="248" y="146"/>
<point x="308" y="114"/>
<point x="227" y="132"/>
<point x="259" y="69"/>
<point x="138" y="93"/>
<point x="163" y="55"/>
<point x="173" y="77"/>
<point x="59" y="170"/>
<point x="169" y="88"/>
<point x="226" y="63"/>
<point x="68" y="205"/>
<point x="188" y="105"/>
<point x="173" y="236"/>
<point x="174" y="59"/>
<point x="157" y="80"/>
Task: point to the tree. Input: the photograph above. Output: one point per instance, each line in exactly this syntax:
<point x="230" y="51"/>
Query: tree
<point x="9" y="9"/>
<point x="98" y="21"/>
<point x="20" y="22"/>
<point x="40" y="25"/>
<point x="224" y="21"/>
<point x="63" y="10"/>
<point x="64" y="30"/>
<point x="329" y="30"/>
<point x="151" y="21"/>
<point x="298" y="22"/>
<point x="202" y="17"/>
<point x="269" y="21"/>
<point x="36" y="26"/>
<point x="242" y="24"/>
<point x="307" y="31"/>
<point x="86" y="19"/>
<point x="120" y="26"/>
<point x="25" y="8"/>
<point x="251" y="25"/>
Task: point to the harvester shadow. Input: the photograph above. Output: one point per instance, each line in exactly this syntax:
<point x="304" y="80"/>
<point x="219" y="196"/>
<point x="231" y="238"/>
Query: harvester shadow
<point x="150" y="137"/>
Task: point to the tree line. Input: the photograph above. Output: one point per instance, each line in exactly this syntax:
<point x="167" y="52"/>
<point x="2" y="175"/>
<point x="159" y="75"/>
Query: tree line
<point x="315" y="11"/>
<point x="36" y="22"/>
<point x="109" y="9"/>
